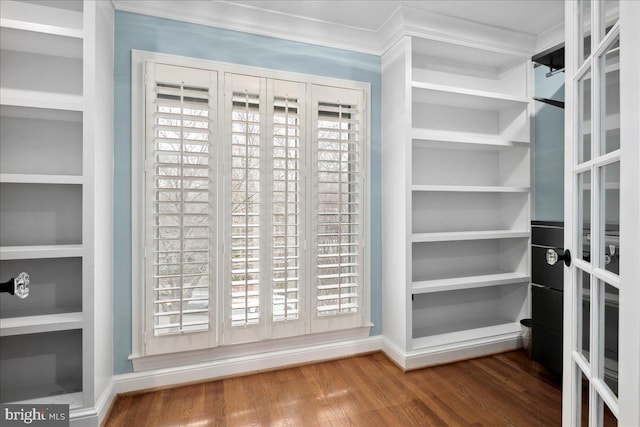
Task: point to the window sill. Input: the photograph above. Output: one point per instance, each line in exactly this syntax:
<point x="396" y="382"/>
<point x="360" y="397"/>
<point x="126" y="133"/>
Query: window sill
<point x="275" y="349"/>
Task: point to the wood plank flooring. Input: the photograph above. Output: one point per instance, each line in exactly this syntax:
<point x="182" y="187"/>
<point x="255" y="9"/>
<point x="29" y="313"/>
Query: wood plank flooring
<point x="502" y="390"/>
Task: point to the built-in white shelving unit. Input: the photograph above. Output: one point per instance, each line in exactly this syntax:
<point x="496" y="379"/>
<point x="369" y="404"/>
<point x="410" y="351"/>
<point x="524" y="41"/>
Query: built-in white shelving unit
<point x="456" y="225"/>
<point x="56" y="147"/>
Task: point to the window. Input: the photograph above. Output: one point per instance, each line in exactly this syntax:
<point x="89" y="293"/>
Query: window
<point x="253" y="214"/>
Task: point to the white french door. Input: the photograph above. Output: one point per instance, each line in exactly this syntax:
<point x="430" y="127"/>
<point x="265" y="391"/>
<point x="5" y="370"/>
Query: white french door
<point x="602" y="215"/>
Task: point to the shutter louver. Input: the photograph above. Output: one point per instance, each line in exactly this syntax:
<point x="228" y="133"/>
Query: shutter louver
<point x="339" y="192"/>
<point x="286" y="209"/>
<point x="245" y="209"/>
<point x="181" y="200"/>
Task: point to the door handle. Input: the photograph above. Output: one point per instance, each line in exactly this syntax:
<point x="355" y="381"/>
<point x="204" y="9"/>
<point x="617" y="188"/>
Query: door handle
<point x="18" y="286"/>
<point x="553" y="257"/>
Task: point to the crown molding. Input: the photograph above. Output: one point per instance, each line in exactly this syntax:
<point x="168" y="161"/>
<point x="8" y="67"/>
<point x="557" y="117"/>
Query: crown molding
<point x="553" y="37"/>
<point x="404" y="21"/>
<point x="435" y="26"/>
<point x="258" y="21"/>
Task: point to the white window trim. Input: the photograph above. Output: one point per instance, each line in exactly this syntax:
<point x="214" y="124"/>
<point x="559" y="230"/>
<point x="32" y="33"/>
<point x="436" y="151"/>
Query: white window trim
<point x="138" y="58"/>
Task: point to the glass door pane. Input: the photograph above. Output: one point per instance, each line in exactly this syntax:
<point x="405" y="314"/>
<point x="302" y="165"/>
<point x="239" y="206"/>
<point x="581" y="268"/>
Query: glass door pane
<point x="610" y="69"/>
<point x="584" y="94"/>
<point x="584" y="216"/>
<point x="585" y="29"/>
<point x="583" y="399"/>
<point x="584" y="313"/>
<point x="610" y="13"/>
<point x="608" y="419"/>
<point x="611" y="316"/>
<point x="610" y="213"/>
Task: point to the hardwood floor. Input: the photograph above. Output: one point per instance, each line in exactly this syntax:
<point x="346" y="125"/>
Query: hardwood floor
<point x="502" y="390"/>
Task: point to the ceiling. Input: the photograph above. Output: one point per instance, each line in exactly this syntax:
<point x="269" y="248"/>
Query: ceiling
<point x="528" y="16"/>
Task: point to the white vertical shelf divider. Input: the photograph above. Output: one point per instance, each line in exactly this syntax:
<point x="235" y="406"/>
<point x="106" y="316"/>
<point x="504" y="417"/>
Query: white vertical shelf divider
<point x="456" y="154"/>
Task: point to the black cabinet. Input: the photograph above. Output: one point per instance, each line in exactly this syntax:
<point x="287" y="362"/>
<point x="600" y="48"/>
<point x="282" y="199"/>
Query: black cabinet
<point x="547" y="294"/>
<point x="546" y="317"/>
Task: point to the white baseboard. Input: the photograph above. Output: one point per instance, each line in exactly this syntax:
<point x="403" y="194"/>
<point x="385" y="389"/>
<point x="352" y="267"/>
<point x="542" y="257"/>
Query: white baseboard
<point x="167" y="377"/>
<point x="92" y="417"/>
<point x="450" y="353"/>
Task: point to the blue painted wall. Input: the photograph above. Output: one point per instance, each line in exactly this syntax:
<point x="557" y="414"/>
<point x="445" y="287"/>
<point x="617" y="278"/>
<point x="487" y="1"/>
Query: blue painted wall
<point x="133" y="31"/>
<point x="549" y="148"/>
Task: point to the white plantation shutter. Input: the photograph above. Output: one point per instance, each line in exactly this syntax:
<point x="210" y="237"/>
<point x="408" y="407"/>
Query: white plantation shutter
<point x="277" y="187"/>
<point x="179" y="207"/>
<point x="287" y="110"/>
<point x="265" y="128"/>
<point x="338" y="142"/>
<point x="245" y="124"/>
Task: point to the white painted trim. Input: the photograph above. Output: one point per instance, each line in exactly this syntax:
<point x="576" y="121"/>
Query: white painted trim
<point x="450" y="353"/>
<point x="404" y="21"/>
<point x="394" y="353"/>
<point x="140" y="56"/>
<point x="435" y="26"/>
<point x="465" y="350"/>
<point x="243" y="364"/>
<point x="229" y="352"/>
<point x="94" y="416"/>
<point x="552" y="37"/>
<point x="237" y="17"/>
<point x="396" y="217"/>
<point x="138" y="115"/>
<point x="106" y="399"/>
<point x="571" y="380"/>
<point x="629" y="351"/>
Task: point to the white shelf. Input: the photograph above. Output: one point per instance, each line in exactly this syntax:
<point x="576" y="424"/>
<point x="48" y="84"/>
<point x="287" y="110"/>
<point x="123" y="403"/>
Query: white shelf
<point x="468" y="235"/>
<point x="38" y="113"/>
<point x="448" y="139"/>
<point x="469" y="189"/>
<point x="455" y="283"/>
<point x="40" y="18"/>
<point x="43" y="323"/>
<point x="74" y="400"/>
<point x="37" y="99"/>
<point x="40" y="28"/>
<point x="25" y="40"/>
<point x="438" y="336"/>
<point x="15" y="178"/>
<point x="471" y="56"/>
<point x="33" y="252"/>
<point x="465" y="98"/>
